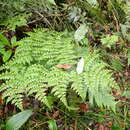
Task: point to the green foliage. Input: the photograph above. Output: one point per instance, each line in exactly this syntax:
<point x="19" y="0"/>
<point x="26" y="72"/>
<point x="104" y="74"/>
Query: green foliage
<point x="13" y="22"/>
<point x="33" y="71"/>
<point x="95" y="81"/>
<point x="117" y="65"/>
<point x="109" y="41"/>
<point x="40" y="6"/>
<point x="16" y="121"/>
<point x="10" y="8"/>
<point x="48" y="14"/>
<point x="52" y="125"/>
<point x="6" y="47"/>
<point x="127" y="93"/>
<point x="12" y="14"/>
<point x="18" y="12"/>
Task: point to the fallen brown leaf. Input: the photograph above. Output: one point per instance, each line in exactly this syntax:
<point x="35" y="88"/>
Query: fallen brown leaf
<point x="56" y="114"/>
<point x="84" y="107"/>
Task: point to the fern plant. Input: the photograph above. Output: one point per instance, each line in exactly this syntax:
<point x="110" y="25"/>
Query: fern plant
<point x="33" y="71"/>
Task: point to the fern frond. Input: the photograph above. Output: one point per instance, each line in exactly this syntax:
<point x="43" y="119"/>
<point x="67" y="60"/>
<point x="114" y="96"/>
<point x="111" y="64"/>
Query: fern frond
<point x="97" y="81"/>
<point x="32" y="72"/>
<point x="78" y="85"/>
<point x="60" y="81"/>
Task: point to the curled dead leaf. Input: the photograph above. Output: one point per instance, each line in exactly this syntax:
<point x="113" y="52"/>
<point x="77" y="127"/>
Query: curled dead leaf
<point x="64" y="66"/>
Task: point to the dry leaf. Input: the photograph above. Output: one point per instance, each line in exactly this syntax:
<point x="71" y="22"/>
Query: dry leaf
<point x="56" y="114"/>
<point x="63" y="66"/>
<point x="84" y="107"/>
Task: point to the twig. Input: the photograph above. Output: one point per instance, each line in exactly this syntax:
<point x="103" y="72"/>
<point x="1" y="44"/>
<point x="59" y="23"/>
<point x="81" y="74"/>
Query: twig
<point x="45" y="16"/>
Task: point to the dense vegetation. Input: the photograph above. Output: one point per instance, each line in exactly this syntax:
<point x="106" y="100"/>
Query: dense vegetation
<point x="65" y="64"/>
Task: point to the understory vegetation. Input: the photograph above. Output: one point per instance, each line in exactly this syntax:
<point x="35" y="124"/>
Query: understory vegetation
<point x="64" y="64"/>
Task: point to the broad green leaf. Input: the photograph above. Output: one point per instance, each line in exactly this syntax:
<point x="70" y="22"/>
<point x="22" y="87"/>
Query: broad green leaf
<point x="92" y="2"/>
<point x="52" y="125"/>
<point x="4" y="40"/>
<point x="80" y="32"/>
<point x="16" y="121"/>
<point x="7" y="55"/>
